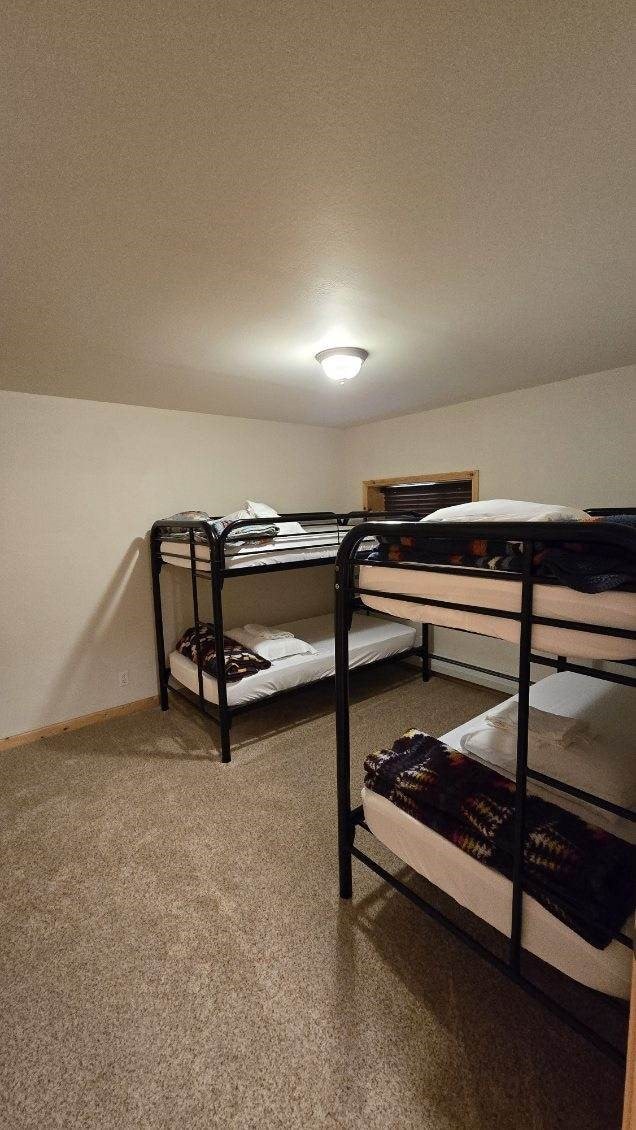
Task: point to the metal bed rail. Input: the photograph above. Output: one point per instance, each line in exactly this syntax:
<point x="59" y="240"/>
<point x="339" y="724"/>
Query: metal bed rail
<point x="350" y="818"/>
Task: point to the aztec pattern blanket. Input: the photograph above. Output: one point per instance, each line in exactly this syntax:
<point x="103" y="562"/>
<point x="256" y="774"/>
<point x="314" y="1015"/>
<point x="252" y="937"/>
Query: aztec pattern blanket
<point x="239" y="660"/>
<point x="582" y="874"/>
<point x="586" y="567"/>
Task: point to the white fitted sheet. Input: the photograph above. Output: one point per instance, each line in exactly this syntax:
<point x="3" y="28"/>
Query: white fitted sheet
<point x="607" y="609"/>
<point x="487" y="893"/>
<point x="371" y="638"/>
<point x="277" y="552"/>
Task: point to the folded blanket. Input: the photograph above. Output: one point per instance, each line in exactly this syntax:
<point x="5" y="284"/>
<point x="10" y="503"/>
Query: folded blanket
<point x="582" y="874"/>
<point x="546" y="727"/>
<point x="240" y="661"/>
<point x="583" y="566"/>
<point x="262" y="533"/>
<point x="266" y="530"/>
<point x="590" y="763"/>
<point x="282" y="646"/>
<point x="262" y="510"/>
<point x="263" y="632"/>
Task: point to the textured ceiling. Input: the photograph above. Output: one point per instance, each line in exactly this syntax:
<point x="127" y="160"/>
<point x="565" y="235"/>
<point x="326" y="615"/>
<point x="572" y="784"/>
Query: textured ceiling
<point x="202" y="195"/>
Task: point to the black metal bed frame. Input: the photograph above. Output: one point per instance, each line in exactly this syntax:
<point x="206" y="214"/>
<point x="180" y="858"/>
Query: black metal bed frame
<point x="350" y="819"/>
<point x="216" y="542"/>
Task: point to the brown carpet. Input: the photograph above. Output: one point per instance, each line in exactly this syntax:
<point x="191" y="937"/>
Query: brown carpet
<point x="174" y="953"/>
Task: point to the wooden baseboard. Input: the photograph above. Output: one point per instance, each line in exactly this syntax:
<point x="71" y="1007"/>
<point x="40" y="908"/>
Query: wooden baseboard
<point x="77" y="723"/>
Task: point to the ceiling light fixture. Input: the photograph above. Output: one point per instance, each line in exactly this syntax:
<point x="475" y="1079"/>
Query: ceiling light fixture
<point x="343" y="362"/>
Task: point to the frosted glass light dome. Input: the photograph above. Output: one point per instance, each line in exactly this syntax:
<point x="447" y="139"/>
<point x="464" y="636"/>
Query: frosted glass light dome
<point x="343" y="362"/>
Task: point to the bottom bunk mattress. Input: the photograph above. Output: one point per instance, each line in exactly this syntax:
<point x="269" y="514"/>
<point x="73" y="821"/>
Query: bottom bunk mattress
<point x="486" y="892"/>
<point x="372" y="638"/>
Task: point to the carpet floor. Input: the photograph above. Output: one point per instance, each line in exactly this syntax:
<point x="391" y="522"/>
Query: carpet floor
<point x="174" y="953"/>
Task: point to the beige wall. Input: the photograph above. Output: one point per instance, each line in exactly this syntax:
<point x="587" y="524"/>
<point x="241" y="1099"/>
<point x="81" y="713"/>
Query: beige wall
<point x="572" y="442"/>
<point x="81" y="482"/>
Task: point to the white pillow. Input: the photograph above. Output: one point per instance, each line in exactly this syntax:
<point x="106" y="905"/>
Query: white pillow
<point x="272" y="649"/>
<point x="262" y="510"/>
<point x="507" y="510"/>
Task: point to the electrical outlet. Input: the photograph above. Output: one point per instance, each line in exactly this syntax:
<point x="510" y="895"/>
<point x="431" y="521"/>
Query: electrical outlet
<point x="123" y="678"/>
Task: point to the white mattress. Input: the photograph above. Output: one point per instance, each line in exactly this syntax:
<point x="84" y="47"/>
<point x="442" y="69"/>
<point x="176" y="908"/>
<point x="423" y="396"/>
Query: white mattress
<point x="371" y="638"/>
<point x="608" y="609"/>
<point x="246" y="555"/>
<point x="487" y="893"/>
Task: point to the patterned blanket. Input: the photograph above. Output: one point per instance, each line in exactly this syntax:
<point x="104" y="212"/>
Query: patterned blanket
<point x="582" y="874"/>
<point x="584" y="566"/>
<point x="239" y="660"/>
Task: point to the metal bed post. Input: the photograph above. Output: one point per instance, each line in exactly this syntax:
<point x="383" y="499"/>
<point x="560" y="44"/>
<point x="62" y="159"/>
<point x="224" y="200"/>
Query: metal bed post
<point x="155" y="565"/>
<point x="195" y="610"/>
<point x="343" y="756"/>
<point x="217" y="562"/>
<point x="523" y="709"/>
<point x="426" y="653"/>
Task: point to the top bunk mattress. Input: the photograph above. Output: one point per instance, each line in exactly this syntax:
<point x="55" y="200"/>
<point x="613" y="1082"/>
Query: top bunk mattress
<point x="616" y="609"/>
<point x="279" y="551"/>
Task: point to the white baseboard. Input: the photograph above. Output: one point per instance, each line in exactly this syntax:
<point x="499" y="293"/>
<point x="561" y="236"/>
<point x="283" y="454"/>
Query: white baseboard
<point x="495" y="682"/>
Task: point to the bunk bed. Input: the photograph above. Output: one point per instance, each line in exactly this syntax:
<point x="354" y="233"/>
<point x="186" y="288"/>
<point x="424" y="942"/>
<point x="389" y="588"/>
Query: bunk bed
<point x="215" y="553"/>
<point x="537" y="614"/>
